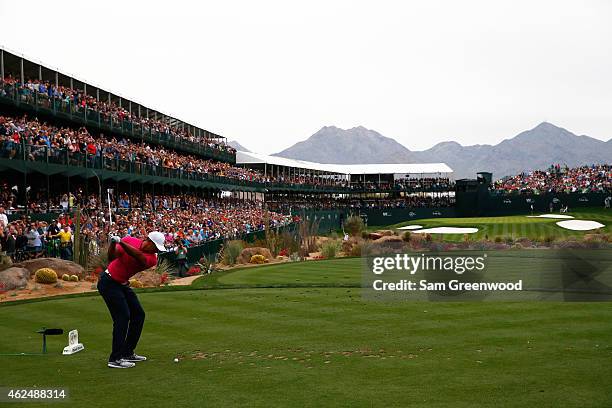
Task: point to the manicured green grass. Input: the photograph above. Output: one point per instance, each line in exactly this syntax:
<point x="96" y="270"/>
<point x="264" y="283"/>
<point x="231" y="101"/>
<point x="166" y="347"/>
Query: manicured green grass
<point x="341" y="272"/>
<point x="318" y="346"/>
<point x="515" y="226"/>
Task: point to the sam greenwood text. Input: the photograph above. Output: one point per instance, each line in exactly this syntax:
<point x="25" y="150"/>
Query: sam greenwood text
<point x="452" y="285"/>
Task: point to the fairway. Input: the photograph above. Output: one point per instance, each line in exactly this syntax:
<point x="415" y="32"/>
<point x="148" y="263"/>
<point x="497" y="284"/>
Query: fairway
<point x="515" y="226"/>
<point x="318" y="346"/>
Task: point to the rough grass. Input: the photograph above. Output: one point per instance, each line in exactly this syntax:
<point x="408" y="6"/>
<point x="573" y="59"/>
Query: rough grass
<point x="321" y="345"/>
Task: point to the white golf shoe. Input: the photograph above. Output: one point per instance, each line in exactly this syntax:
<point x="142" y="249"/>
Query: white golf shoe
<point x="121" y="363"/>
<point x="135" y="358"/>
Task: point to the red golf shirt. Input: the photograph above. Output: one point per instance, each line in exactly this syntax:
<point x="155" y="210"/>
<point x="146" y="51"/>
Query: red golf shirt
<point x="123" y="267"/>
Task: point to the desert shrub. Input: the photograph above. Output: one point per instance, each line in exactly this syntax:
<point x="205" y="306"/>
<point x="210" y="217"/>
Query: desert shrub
<point x="356" y="250"/>
<point x="330" y="249"/>
<point x="525" y="242"/>
<point x="307" y="235"/>
<point x="135" y="283"/>
<point x="466" y="237"/>
<point x="428" y="237"/>
<point x="164" y="279"/>
<point x="272" y="241"/>
<point x="295" y="257"/>
<point x="508" y="240"/>
<point x="194" y="270"/>
<point x="288" y="242"/>
<point x="258" y="259"/>
<point x="5" y="262"/>
<point x="354" y="225"/>
<point x="74" y="278"/>
<point x="437" y="246"/>
<point x="498" y="240"/>
<point x="517" y="246"/>
<point x="65" y="277"/>
<point x="406" y="236"/>
<point x="570" y="244"/>
<point x="97" y="263"/>
<point x="258" y="243"/>
<point x="164" y="267"/>
<point x="46" y="275"/>
<point x="347" y="245"/>
<point x="231" y="251"/>
<point x="593" y="241"/>
<point x="207" y="264"/>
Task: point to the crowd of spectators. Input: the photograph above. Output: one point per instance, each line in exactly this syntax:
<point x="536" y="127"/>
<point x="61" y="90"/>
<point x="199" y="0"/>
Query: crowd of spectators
<point x="43" y="139"/>
<point x="558" y="179"/>
<point x="187" y="219"/>
<point x="48" y="92"/>
<point x="413" y="201"/>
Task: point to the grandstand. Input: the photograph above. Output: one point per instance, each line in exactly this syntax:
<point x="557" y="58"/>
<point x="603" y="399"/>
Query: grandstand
<point x="65" y="142"/>
<point x="367" y="177"/>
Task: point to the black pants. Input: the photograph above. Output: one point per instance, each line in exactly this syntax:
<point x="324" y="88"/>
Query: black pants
<point x="182" y="263"/>
<point x="66" y="252"/>
<point x="127" y="313"/>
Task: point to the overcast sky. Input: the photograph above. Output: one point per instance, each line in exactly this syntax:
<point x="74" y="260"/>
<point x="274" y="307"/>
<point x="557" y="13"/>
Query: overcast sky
<point x="271" y="73"/>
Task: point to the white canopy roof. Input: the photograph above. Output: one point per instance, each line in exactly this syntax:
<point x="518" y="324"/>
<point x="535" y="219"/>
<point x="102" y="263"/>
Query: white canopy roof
<point x="386" y="168"/>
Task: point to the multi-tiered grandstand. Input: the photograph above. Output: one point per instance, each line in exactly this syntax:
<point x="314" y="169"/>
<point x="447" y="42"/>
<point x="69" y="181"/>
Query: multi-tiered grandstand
<point x="67" y="143"/>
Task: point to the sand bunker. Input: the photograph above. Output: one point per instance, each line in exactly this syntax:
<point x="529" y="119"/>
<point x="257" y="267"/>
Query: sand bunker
<point x="410" y="227"/>
<point x="580" y="225"/>
<point x="447" y="230"/>
<point x="561" y="216"/>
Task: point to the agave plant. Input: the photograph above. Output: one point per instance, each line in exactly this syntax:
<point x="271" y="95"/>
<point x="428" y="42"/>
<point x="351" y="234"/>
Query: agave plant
<point x="165" y="267"/>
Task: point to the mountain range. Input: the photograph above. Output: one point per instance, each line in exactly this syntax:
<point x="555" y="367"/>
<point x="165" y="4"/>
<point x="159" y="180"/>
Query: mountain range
<point x="238" y="146"/>
<point x="532" y="149"/>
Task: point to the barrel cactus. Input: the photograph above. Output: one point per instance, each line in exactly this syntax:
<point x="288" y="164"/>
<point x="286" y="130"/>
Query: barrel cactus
<point x="46" y="275"/>
<point x="135" y="283"/>
<point x="74" y="278"/>
<point x="65" y="277"/>
<point x="258" y="259"/>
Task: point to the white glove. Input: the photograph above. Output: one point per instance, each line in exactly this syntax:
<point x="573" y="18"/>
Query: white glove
<point x="115" y="239"/>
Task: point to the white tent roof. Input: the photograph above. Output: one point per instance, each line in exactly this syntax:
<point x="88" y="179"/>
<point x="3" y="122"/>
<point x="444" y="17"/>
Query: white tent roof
<point x="387" y="168"/>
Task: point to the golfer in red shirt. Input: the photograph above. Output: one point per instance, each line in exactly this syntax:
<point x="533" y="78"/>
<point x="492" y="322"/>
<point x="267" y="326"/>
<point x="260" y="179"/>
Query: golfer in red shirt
<point x="127" y="257"/>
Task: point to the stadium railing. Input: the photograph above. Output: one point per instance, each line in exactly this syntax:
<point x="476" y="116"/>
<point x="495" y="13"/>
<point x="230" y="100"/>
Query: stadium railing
<point x="84" y="116"/>
<point x="46" y="155"/>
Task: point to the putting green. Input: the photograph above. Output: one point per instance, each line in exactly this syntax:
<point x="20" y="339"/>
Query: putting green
<point x="318" y="346"/>
<point x="515" y="226"/>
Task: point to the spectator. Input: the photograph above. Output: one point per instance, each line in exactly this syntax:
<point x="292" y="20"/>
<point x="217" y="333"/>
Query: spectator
<point x="65" y="237"/>
<point x="3" y="218"/>
<point x="34" y="245"/>
<point x="181" y="258"/>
